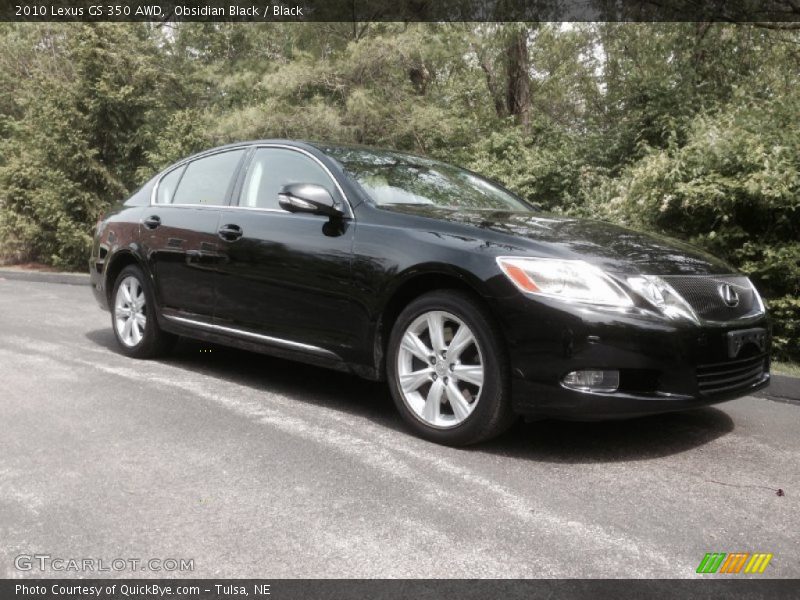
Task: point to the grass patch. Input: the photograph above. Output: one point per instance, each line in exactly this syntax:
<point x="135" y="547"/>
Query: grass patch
<point x="786" y="368"/>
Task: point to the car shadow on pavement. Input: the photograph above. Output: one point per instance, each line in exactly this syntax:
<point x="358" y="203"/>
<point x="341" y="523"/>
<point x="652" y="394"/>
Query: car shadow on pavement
<point x="643" y="438"/>
<point x="542" y="441"/>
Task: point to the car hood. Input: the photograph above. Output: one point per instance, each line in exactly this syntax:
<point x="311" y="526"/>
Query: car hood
<point x="609" y="246"/>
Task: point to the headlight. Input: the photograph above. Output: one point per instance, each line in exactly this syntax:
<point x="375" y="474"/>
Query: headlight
<point x="659" y="293"/>
<point x="571" y="280"/>
<point x="757" y="296"/>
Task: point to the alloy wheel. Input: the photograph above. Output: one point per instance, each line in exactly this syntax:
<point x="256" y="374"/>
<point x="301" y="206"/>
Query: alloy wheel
<point x="130" y="311"/>
<point x="440" y="369"/>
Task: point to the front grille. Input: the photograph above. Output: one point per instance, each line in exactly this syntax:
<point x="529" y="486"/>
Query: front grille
<point x="732" y="375"/>
<point x="703" y="295"/>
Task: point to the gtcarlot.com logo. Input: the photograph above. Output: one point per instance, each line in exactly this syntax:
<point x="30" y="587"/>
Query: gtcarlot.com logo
<point x="734" y="563"/>
<point x="46" y="562"/>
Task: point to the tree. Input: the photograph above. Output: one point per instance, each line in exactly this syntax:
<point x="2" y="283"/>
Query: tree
<point x="78" y="140"/>
<point x="683" y="128"/>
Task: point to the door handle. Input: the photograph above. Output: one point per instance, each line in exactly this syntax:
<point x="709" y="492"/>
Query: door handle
<point x="230" y="233"/>
<point x="152" y="221"/>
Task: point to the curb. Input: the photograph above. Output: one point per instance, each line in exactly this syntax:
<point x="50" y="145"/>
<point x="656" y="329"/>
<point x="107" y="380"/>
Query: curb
<point x="45" y="276"/>
<point x="782" y="388"/>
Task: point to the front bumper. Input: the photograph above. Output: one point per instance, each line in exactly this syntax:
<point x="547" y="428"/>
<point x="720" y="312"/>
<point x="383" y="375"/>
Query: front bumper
<point x="664" y="365"/>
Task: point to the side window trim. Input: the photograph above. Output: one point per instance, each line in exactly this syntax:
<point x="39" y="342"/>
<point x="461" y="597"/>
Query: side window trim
<point x="235" y="190"/>
<point x="241" y="176"/>
<point x="154" y="195"/>
<point x="237" y="172"/>
<point x="229" y="197"/>
<point x="183" y="168"/>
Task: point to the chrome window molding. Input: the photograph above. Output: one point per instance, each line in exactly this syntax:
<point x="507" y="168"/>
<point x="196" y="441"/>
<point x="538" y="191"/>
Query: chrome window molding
<point x="349" y="214"/>
<point x="183" y="163"/>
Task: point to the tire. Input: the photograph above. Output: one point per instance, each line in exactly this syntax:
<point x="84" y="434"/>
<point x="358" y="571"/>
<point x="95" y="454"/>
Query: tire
<point x="133" y="318"/>
<point x="472" y="383"/>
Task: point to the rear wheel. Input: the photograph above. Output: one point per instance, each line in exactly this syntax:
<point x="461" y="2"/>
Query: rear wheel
<point x="447" y="370"/>
<point x="133" y="318"/>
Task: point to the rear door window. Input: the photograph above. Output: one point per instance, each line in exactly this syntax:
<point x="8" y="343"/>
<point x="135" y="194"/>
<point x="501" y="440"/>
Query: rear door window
<point x="207" y="180"/>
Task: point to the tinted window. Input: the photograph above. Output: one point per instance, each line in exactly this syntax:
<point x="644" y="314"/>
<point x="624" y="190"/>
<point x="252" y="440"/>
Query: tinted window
<point x="166" y="187"/>
<point x="206" y="180"/>
<point x="273" y="168"/>
<point x="395" y="178"/>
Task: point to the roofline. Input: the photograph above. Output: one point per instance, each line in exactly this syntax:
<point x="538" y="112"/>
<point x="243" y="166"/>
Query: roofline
<point x="304" y="144"/>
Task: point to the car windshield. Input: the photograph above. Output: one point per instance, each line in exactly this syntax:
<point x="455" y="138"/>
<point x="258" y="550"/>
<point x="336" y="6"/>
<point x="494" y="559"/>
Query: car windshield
<point x="392" y="178"/>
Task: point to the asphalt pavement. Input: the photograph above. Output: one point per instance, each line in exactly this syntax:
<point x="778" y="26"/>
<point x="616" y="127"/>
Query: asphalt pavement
<point x="251" y="466"/>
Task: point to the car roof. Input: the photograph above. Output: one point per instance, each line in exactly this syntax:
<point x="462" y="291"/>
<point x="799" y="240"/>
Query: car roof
<point x="320" y="146"/>
<point x="243" y="143"/>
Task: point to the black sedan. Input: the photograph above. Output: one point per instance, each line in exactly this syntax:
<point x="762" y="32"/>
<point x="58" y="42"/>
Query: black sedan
<point x="471" y="304"/>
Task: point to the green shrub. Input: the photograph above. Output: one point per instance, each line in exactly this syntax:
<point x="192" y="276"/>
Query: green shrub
<point x="785" y="313"/>
<point x="733" y="188"/>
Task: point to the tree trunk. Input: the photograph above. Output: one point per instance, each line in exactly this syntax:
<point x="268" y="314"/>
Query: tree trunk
<point x="518" y="92"/>
<point x="495" y="91"/>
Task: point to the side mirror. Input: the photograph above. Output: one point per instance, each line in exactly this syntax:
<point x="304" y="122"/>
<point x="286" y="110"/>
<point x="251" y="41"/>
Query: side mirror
<point x="308" y="198"/>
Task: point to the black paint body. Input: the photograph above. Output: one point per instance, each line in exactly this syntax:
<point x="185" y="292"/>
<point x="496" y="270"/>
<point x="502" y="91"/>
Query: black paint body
<point x="326" y="291"/>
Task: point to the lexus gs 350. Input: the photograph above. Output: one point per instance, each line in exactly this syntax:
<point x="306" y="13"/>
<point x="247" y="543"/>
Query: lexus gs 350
<point x="474" y="307"/>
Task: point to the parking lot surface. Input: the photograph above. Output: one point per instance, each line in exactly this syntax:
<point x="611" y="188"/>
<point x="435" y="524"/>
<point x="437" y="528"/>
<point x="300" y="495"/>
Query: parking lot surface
<point x="253" y="466"/>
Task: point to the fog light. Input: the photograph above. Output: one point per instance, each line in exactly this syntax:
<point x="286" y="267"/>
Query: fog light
<point x="592" y="381"/>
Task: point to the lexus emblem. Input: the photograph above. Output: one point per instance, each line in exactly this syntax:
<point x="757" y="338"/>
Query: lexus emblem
<point x="729" y="295"/>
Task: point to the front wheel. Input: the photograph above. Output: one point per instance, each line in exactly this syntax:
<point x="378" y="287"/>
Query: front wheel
<point x="133" y="317"/>
<point x="447" y="370"/>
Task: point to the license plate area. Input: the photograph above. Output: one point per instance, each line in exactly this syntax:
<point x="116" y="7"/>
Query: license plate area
<point x="739" y="339"/>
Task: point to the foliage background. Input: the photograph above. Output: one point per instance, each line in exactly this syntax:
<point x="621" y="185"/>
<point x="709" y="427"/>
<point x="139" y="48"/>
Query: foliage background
<point x="688" y="129"/>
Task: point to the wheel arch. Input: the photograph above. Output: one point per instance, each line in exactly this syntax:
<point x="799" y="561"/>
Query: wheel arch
<point x="119" y="260"/>
<point x="413" y="284"/>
